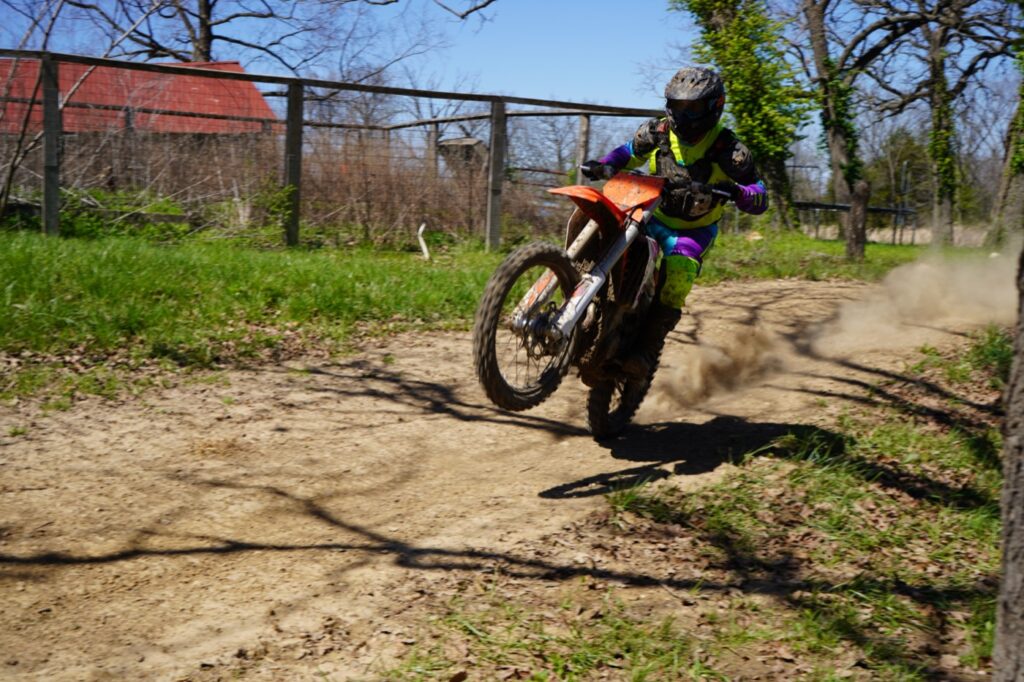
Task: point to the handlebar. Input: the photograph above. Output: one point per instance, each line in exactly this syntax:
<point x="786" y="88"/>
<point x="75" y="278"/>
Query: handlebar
<point x="718" y="192"/>
<point x="595" y="170"/>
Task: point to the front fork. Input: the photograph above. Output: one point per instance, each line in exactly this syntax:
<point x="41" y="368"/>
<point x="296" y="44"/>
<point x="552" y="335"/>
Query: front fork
<point x="590" y="284"/>
<point x="541" y="291"/>
<point x="566" y="319"/>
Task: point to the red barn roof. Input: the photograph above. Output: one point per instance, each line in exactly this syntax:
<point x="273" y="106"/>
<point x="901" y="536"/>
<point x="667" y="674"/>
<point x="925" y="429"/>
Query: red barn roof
<point x="101" y="101"/>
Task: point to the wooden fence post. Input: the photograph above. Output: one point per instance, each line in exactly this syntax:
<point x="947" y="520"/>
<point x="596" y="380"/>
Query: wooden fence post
<point x="496" y="162"/>
<point x="293" y="163"/>
<point x="582" y="148"/>
<point x="433" y="136"/>
<point x="52" y="143"/>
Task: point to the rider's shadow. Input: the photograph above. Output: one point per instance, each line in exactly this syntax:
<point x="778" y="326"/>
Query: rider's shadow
<point x="690" y="449"/>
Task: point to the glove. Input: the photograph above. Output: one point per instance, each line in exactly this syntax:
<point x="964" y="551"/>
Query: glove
<point x="595" y="170"/>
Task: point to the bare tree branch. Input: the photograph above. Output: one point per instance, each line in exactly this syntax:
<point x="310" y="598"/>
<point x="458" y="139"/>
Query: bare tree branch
<point x="465" y="13"/>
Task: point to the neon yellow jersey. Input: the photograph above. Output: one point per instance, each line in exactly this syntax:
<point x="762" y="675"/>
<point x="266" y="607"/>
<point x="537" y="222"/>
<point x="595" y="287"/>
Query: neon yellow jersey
<point x="687" y="155"/>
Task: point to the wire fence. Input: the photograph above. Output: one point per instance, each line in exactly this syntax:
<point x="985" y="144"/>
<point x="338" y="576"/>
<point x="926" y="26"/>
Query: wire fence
<point x="207" y="147"/>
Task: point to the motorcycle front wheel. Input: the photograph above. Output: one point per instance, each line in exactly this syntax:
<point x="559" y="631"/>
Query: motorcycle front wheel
<point x="613" y="402"/>
<point x="517" y="363"/>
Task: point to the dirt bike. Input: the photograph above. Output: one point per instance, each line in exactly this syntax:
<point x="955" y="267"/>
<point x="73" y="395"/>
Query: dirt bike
<point x="546" y="308"/>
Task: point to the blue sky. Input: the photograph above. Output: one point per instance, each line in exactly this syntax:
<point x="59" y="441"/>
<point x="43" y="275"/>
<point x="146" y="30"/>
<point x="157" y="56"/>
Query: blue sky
<point x="582" y="51"/>
<point x="616" y="52"/>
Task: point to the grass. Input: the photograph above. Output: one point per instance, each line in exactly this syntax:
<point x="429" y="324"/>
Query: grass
<point x="71" y="304"/>
<point x="57" y="384"/>
<point x="194" y="302"/>
<point x="991" y="354"/>
<point x="793" y="254"/>
<point x="200" y="303"/>
<point x="571" y="642"/>
<point x="85" y="317"/>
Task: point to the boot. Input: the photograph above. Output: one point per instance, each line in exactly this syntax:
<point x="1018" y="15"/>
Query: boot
<point x="660" y="320"/>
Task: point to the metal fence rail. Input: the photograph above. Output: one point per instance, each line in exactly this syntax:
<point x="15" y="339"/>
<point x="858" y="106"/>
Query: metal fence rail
<point x="223" y="147"/>
<point x="902" y="217"/>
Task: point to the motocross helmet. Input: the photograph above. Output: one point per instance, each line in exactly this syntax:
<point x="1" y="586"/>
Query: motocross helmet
<point x="694" y="100"/>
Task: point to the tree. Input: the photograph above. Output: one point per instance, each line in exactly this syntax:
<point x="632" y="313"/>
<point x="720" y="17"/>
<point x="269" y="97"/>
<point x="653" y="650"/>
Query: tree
<point x="1008" y="215"/>
<point x="864" y="34"/>
<point x="983" y="116"/>
<point x="294" y="35"/>
<point x="766" y="104"/>
<point x="1008" y="651"/>
<point x="897" y="165"/>
<point x="952" y="49"/>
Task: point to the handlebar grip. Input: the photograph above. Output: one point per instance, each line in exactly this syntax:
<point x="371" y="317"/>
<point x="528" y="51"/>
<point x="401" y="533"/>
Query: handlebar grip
<point x="726" y="190"/>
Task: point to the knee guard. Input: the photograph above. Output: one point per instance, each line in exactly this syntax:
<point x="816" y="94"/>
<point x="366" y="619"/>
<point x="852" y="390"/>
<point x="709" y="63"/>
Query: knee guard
<point x="680" y="272"/>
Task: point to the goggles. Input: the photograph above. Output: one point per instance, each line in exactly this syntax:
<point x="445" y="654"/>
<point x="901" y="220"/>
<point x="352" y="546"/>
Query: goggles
<point x="689" y="108"/>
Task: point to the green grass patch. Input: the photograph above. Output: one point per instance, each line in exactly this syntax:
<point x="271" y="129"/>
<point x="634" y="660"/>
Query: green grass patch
<point x="81" y="302"/>
<point x="641" y="499"/>
<point x="58" y="386"/>
<point x="992" y="353"/>
<point x="571" y="642"/>
<point x="793" y="254"/>
<point x="876" y="567"/>
<point x="198" y="304"/>
<point x="989" y="354"/>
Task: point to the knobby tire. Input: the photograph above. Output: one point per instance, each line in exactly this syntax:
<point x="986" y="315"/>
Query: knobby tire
<point x="606" y="421"/>
<point x="498" y="388"/>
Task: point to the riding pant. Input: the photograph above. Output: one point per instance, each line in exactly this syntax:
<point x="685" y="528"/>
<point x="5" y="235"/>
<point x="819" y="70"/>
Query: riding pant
<point x="683" y="252"/>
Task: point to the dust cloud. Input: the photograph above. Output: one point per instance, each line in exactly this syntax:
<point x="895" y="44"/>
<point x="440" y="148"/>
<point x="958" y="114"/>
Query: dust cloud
<point x="709" y="370"/>
<point x="928" y="294"/>
<point x="913" y="302"/>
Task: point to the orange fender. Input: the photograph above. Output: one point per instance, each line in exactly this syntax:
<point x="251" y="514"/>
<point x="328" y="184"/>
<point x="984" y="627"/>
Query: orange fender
<point x="624" y="192"/>
<point x="594" y="205"/>
<point x="629" y="191"/>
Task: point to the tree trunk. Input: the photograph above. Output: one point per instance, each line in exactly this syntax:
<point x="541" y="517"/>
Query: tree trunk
<point x="1008" y="215"/>
<point x="942" y="220"/>
<point x="780" y="190"/>
<point x="202" y="49"/>
<point x="834" y="101"/>
<point x="941" y="141"/>
<point x="856" y="231"/>
<point x="1008" y="653"/>
<point x="1011" y="216"/>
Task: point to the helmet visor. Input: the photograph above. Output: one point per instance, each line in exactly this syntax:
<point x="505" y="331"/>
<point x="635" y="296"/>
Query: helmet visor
<point x="691" y="109"/>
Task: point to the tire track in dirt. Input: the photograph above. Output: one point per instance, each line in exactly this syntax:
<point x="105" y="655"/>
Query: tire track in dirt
<point x="158" y="536"/>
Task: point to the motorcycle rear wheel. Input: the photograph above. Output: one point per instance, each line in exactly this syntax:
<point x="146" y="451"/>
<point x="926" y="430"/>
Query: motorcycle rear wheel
<point x="611" y="404"/>
<point x="519" y="369"/>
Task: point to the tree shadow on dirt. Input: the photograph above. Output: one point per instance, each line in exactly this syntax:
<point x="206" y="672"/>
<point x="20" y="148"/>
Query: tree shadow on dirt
<point x="699" y="448"/>
<point x="411" y="396"/>
<point x="908" y="394"/>
<point x="404" y="554"/>
<point x="779" y="576"/>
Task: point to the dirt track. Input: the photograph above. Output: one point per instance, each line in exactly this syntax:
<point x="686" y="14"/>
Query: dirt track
<point x="156" y="538"/>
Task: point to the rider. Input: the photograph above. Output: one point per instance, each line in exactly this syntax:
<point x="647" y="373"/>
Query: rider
<point x="689" y="145"/>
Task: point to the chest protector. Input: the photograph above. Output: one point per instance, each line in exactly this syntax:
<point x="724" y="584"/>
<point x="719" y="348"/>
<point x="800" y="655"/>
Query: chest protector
<point x="681" y="164"/>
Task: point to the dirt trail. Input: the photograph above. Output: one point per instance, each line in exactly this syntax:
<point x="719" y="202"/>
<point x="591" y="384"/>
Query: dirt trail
<point x="155" y="538"/>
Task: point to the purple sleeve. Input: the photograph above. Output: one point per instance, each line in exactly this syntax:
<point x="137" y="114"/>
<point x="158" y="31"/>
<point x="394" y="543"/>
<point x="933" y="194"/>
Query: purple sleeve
<point x="617" y="157"/>
<point x="753" y="198"/>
